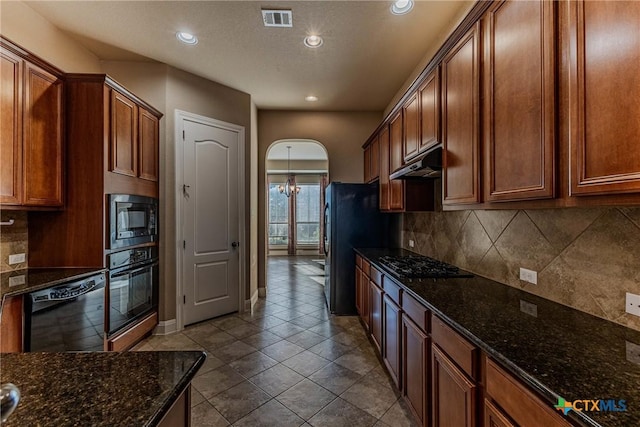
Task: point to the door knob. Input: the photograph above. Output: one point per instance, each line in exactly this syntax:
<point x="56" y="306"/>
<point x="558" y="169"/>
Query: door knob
<point x="235" y="244"/>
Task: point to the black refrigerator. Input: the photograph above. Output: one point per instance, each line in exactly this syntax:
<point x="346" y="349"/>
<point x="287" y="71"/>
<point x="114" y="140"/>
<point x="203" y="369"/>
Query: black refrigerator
<point x="352" y="220"/>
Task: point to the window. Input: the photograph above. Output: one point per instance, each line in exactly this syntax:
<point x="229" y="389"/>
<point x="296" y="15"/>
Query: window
<point x="278" y="216"/>
<point x="308" y="215"/>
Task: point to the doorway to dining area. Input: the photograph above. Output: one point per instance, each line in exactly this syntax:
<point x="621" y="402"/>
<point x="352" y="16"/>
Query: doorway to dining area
<point x="296" y="178"/>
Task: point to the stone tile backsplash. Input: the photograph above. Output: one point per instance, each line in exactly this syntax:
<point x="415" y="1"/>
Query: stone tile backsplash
<point x="14" y="239"/>
<point x="585" y="258"/>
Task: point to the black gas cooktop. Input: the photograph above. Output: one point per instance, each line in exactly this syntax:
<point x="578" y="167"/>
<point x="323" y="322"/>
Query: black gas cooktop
<point x="418" y="266"/>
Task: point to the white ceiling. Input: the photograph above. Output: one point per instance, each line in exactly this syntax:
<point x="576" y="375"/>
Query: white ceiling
<point x="367" y="54"/>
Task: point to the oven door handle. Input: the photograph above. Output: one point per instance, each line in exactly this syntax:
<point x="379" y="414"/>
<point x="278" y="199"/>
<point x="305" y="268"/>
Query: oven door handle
<point x="126" y="272"/>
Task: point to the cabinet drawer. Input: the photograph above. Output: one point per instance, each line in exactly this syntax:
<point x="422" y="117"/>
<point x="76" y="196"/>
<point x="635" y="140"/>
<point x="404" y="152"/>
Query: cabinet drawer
<point x="463" y="353"/>
<point x="416" y="311"/>
<point x="376" y="276"/>
<point x="392" y="289"/>
<point x="365" y="266"/>
<point x="520" y="404"/>
<point x="359" y="261"/>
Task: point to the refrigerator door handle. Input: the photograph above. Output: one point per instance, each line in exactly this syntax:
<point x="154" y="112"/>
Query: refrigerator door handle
<point x="324" y="229"/>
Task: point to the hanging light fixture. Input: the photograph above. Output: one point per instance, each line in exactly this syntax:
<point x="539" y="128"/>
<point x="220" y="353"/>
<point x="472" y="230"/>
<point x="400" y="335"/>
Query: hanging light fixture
<point x="288" y="188"/>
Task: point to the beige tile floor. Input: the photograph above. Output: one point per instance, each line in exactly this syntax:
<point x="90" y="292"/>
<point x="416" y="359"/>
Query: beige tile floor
<point x="289" y="363"/>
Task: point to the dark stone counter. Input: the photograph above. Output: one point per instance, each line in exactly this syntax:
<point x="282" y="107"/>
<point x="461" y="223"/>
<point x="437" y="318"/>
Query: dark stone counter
<point x="560" y="352"/>
<point x="97" y="389"/>
<point x="20" y="282"/>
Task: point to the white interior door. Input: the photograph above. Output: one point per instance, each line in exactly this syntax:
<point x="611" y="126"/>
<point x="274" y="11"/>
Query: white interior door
<point x="210" y="220"/>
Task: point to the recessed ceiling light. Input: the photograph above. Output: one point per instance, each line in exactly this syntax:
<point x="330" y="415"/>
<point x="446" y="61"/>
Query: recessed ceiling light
<point x="186" y="38"/>
<point x="311" y="98"/>
<point x="400" y="7"/>
<point x="313" y="41"/>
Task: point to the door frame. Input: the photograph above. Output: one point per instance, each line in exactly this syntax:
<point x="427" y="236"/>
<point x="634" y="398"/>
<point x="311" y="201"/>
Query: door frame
<point x="180" y="116"/>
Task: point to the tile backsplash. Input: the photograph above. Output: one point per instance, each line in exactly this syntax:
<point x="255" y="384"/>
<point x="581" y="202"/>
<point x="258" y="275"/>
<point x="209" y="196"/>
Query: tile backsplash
<point x="14" y="239"/>
<point x="585" y="258"/>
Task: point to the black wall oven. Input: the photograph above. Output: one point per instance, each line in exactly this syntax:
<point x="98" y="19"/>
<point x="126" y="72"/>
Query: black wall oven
<point x="133" y="220"/>
<point x="133" y="286"/>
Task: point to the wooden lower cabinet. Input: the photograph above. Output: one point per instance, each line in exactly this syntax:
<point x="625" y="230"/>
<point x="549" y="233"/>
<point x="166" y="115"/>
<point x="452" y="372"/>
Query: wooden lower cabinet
<point x="179" y="415"/>
<point x="493" y="417"/>
<point x="415" y="369"/>
<point x="454" y="394"/>
<point x="358" y="290"/>
<point x="364" y="300"/>
<point x="391" y="339"/>
<point x="375" y="314"/>
<point x="12" y="325"/>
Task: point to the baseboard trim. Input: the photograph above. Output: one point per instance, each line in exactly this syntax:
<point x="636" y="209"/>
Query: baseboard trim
<point x="166" y="327"/>
<point x="262" y="292"/>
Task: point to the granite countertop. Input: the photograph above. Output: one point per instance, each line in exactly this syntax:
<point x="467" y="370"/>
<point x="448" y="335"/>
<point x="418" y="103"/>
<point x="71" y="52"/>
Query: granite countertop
<point x="97" y="389"/>
<point x="561" y="352"/>
<point x="20" y="282"/>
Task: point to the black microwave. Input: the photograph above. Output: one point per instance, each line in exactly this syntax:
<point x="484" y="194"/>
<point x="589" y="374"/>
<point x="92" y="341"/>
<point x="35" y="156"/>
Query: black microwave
<point x="133" y="220"/>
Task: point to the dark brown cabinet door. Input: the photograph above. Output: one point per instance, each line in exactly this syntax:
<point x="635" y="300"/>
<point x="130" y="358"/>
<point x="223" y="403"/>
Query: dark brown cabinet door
<point x="384" y="184"/>
<point x="396" y="186"/>
<point x="429" y="97"/>
<point x="364" y="301"/>
<point x="11" y="73"/>
<point x="124" y="135"/>
<point x="11" y="325"/>
<point x="519" y="102"/>
<point x="604" y="104"/>
<point x="391" y="330"/>
<point x="493" y="417"/>
<point x="454" y="395"/>
<point x="460" y="117"/>
<point x="367" y="164"/>
<point x="148" y="141"/>
<point x="411" y="127"/>
<point x="42" y="138"/>
<point x="415" y="357"/>
<point x="374" y="161"/>
<point x="375" y="314"/>
<point x="358" y="290"/>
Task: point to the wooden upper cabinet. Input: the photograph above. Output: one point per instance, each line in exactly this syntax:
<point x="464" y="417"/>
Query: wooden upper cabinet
<point x="411" y="127"/>
<point x="124" y="135"/>
<point x="367" y="164"/>
<point x="396" y="186"/>
<point x="460" y="117"/>
<point x="32" y="134"/>
<point x="604" y="90"/>
<point x="519" y="100"/>
<point x="374" y="161"/>
<point x="42" y="138"/>
<point x="429" y="107"/>
<point x="148" y="150"/>
<point x="11" y="73"/>
<point x="384" y="184"/>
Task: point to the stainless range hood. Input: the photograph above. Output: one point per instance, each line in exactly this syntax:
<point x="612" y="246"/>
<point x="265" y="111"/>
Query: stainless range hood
<point x="428" y="165"/>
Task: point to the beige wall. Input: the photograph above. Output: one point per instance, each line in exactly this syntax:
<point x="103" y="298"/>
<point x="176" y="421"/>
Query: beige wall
<point x="22" y="25"/>
<point x="585" y="258"/>
<point x="341" y="133"/>
<point x="14" y="239"/>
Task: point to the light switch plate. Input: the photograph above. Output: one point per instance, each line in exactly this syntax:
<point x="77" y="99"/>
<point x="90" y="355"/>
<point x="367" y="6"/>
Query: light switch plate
<point x="17" y="280"/>
<point x="411" y="243"/>
<point x="529" y="276"/>
<point x="632" y="304"/>
<point x="16" y="258"/>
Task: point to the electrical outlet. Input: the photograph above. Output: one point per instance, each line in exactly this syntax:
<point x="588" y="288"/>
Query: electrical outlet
<point x="411" y="243"/>
<point x="632" y="304"/>
<point x="529" y="308"/>
<point x="528" y="276"/>
<point x="633" y="352"/>
<point x="16" y="258"/>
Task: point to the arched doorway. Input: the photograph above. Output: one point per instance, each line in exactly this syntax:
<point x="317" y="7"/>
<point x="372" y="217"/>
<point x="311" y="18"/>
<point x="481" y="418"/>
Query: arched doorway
<point x="296" y="175"/>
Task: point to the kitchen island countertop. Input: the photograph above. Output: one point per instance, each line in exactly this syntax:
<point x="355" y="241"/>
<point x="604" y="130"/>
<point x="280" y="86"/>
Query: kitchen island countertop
<point x="558" y="351"/>
<point x="97" y="389"/>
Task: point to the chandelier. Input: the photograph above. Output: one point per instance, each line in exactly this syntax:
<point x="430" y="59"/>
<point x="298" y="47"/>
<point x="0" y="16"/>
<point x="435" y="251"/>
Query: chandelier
<point x="288" y="188"/>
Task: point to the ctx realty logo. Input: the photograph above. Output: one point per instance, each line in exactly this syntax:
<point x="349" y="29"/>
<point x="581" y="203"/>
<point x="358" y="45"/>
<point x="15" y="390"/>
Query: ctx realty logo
<point x="600" y="405"/>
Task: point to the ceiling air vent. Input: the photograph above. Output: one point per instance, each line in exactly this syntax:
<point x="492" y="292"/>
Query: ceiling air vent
<point x="277" y="18"/>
